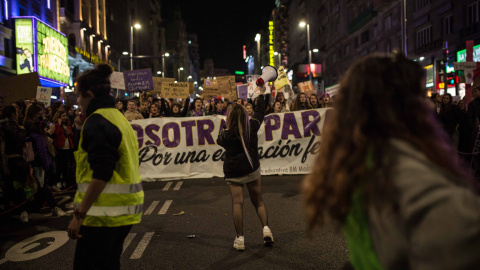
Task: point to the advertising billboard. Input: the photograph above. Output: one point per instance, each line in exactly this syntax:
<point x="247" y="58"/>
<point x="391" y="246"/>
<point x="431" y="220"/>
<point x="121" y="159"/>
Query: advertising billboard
<point x="43" y="49"/>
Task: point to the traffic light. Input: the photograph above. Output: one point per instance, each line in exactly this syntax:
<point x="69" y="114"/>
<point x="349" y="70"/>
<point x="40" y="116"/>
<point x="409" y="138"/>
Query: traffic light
<point x="444" y="59"/>
<point x="450" y="79"/>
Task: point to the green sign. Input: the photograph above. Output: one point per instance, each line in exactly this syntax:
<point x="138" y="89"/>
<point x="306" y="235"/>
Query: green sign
<point x="24" y="44"/>
<point x="239" y="72"/>
<point x="462" y="55"/>
<point x="52" y="54"/>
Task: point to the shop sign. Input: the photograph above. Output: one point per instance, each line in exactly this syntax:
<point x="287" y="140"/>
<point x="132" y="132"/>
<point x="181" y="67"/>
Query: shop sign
<point x="41" y="48"/>
<point x="270" y="42"/>
<point x="462" y="55"/>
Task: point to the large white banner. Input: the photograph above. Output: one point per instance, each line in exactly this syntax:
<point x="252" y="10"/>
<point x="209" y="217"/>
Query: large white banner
<point x="186" y="147"/>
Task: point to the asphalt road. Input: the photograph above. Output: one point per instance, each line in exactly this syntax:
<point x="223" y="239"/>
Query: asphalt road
<point x="177" y="209"/>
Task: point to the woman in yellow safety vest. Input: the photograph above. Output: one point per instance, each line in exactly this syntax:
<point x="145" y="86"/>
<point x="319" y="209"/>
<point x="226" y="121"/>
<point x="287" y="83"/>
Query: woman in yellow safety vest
<point x="109" y="195"/>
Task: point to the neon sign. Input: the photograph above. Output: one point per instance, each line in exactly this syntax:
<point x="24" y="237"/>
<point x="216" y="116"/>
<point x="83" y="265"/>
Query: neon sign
<point x="43" y="49"/>
<point x="270" y="41"/>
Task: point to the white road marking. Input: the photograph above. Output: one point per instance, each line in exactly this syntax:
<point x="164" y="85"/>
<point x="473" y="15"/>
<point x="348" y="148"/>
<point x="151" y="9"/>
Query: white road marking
<point x="167" y="186"/>
<point x="165" y="207"/>
<point x="178" y="185"/>
<point x="151" y="208"/>
<point x="137" y="254"/>
<point x="128" y="240"/>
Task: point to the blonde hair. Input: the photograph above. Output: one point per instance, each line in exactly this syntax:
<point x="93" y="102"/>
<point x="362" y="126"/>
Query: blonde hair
<point x="237" y="117"/>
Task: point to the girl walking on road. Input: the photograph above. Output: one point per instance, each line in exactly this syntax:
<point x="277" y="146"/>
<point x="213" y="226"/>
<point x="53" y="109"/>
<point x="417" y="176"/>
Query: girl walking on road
<point x="242" y="165"/>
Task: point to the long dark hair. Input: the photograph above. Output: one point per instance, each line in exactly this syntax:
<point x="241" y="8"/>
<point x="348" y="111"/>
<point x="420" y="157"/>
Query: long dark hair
<point x="297" y="104"/>
<point x="392" y="94"/>
<point x="237" y="118"/>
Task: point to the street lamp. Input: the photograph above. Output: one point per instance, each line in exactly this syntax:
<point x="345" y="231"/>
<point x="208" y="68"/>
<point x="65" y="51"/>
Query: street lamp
<point x="303" y="24"/>
<point x="257" y="39"/>
<point x="136" y="26"/>
<point x="315" y="50"/>
<point x="279" y="58"/>
<point x="179" y="69"/>
<point x="163" y="63"/>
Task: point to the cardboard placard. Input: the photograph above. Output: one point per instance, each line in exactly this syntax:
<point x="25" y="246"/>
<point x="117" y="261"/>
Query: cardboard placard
<point x="332" y="90"/>
<point x="210" y="91"/>
<point x="28" y="83"/>
<point x="191" y="88"/>
<point x="227" y="87"/>
<point x="117" y="80"/>
<point x="175" y="90"/>
<point x="157" y="85"/>
<point x="138" y="80"/>
<point x="44" y="95"/>
<point x="306" y="87"/>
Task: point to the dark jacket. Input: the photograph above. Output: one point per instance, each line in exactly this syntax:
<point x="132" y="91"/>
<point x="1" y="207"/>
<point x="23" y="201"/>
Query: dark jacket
<point x="43" y="158"/>
<point x="14" y="138"/>
<point x="169" y="112"/>
<point x="236" y="162"/>
<point x="101" y="139"/>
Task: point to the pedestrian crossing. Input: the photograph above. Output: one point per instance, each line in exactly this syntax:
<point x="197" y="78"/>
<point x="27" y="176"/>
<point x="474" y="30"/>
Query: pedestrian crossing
<point x="177" y="187"/>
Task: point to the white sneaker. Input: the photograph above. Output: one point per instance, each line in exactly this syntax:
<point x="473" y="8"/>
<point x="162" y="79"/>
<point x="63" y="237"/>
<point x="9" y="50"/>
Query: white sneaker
<point x="57" y="212"/>
<point x="239" y="243"/>
<point x="24" y="216"/>
<point x="267" y="236"/>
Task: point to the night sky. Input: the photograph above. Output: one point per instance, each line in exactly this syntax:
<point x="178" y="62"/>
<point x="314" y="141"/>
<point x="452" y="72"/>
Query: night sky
<point x="222" y="26"/>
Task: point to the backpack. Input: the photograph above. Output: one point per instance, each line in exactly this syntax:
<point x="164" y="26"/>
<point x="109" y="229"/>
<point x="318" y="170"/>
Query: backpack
<point x="28" y="153"/>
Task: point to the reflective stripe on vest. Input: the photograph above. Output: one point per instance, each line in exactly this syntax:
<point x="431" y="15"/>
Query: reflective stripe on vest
<point x="114" y="188"/>
<point x="114" y="211"/>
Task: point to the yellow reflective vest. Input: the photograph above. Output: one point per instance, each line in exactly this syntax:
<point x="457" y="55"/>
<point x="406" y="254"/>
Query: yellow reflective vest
<point x="121" y="202"/>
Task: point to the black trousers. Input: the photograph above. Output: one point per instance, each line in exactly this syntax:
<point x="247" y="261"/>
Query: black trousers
<point x="65" y="163"/>
<point x="100" y="247"/>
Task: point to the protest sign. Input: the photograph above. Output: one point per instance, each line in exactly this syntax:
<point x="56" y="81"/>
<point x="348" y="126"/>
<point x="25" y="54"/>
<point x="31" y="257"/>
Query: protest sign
<point x="251" y="80"/>
<point x="117" y="80"/>
<point x="227" y="87"/>
<point x="282" y="79"/>
<point x="332" y="90"/>
<point x="10" y="87"/>
<point x="157" y="84"/>
<point x="210" y="91"/>
<point x="186" y="147"/>
<point x="306" y="87"/>
<point x="242" y="91"/>
<point x="138" y="80"/>
<point x="191" y="88"/>
<point x="44" y="95"/>
<point x="175" y="90"/>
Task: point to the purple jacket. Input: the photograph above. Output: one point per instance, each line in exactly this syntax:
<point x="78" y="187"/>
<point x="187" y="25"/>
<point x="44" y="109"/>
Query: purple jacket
<point x="42" y="156"/>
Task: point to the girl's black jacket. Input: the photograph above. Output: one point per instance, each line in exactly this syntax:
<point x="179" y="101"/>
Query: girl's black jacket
<point x="236" y="162"/>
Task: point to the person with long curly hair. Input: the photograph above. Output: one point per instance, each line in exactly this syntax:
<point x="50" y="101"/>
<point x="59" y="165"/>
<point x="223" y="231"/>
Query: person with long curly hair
<point x="388" y="176"/>
<point x="300" y="103"/>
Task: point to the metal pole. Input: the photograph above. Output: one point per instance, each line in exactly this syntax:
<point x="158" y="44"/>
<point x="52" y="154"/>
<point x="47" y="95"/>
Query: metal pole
<point x="309" y="53"/>
<point x="445" y="86"/>
<point x="404" y="26"/>
<point x="131" y="43"/>
<point x="163" y="66"/>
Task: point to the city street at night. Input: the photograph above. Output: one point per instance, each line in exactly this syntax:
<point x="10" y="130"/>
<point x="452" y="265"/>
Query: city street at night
<point x="176" y="210"/>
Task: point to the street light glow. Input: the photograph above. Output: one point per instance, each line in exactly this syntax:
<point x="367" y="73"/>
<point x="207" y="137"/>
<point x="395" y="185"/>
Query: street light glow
<point x="315" y="50"/>
<point x="275" y="53"/>
<point x="181" y="68"/>
<point x="137" y="26"/>
<point x="422" y="58"/>
<point x="189" y="77"/>
<point x="257" y="38"/>
<point x="159" y="72"/>
<point x="302" y="24"/>
<point x="167" y="54"/>
<point x="125" y="53"/>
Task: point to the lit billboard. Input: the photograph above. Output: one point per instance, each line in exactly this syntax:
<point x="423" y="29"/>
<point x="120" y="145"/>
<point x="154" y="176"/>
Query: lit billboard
<point x="43" y="49"/>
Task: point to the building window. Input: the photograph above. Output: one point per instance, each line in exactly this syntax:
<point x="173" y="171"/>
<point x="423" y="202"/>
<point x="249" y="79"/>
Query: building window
<point x="356" y="42"/>
<point x="473" y="13"/>
<point x="422" y="3"/>
<point x="388" y="22"/>
<point x="346" y="50"/>
<point x="334" y="58"/>
<point x="375" y="30"/>
<point x="424" y="36"/>
<point x="365" y="37"/>
<point x="448" y="25"/>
